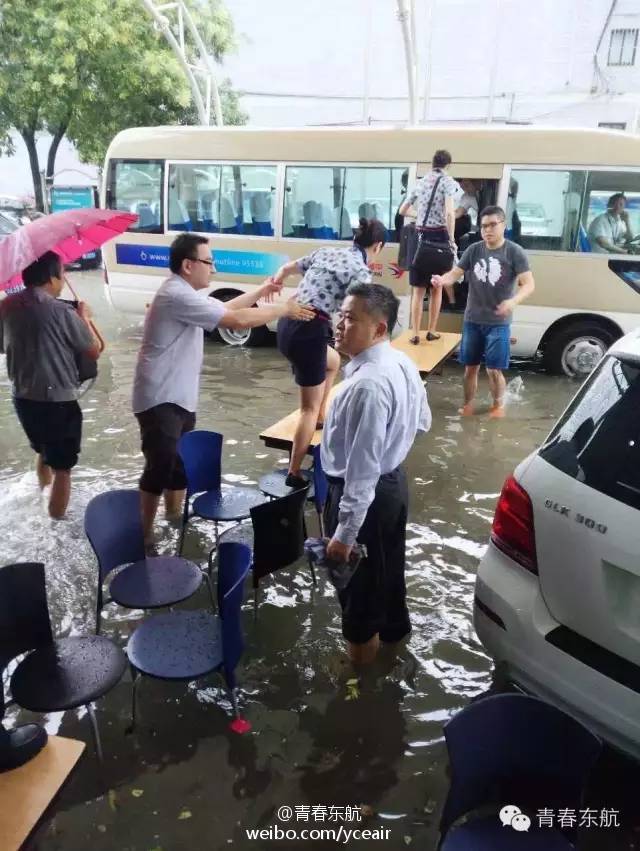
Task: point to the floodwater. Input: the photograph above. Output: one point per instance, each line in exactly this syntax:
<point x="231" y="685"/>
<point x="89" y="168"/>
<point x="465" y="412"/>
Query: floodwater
<point x="183" y="780"/>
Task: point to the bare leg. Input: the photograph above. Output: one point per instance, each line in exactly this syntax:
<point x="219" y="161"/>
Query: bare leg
<point x="470" y="385"/>
<point x="417" y="308"/>
<point x="498" y="387"/>
<point x="435" y="303"/>
<point x="149" y="506"/>
<point x="60" y="493"/>
<point x="44" y="472"/>
<point x="174" y="504"/>
<point x="451" y="293"/>
<point x="333" y="365"/>
<point x="364" y="654"/>
<point x="310" y="401"/>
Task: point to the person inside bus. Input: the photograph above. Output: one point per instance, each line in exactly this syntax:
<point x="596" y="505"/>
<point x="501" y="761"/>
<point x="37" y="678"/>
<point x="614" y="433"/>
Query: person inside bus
<point x="327" y="274"/>
<point x="167" y="373"/>
<point x="434" y="195"/>
<point x="466" y="211"/>
<point x="610" y="232"/>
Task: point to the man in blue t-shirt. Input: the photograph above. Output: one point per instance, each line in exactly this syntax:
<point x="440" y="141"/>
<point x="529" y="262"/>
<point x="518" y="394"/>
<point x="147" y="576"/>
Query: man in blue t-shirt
<point x="499" y="278"/>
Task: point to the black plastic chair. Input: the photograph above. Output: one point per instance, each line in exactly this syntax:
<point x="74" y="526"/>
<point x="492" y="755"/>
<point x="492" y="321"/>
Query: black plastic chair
<point x="187" y="645"/>
<point x="276" y="537"/>
<point x="59" y="673"/>
<point x="201" y="454"/>
<point x="113" y="525"/>
<point x="512" y="749"/>
<point x="273" y="485"/>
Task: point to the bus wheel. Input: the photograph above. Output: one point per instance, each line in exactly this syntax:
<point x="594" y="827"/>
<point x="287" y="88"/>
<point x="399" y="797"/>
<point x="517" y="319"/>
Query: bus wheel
<point x="251" y="337"/>
<point x="576" y="349"/>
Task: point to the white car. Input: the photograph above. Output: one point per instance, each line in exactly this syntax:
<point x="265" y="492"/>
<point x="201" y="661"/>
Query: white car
<point x="557" y="600"/>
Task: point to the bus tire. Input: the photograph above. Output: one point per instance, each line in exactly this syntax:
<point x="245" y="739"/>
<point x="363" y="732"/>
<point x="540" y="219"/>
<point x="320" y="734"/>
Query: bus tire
<point x="251" y="337"/>
<point x="575" y="349"/>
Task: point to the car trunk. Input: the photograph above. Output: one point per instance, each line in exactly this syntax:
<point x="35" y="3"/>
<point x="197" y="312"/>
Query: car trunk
<point x="584" y="486"/>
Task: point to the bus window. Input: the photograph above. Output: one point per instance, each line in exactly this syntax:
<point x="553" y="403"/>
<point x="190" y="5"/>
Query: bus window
<point x="314" y="203"/>
<point x="326" y="202"/>
<point x="247" y="199"/>
<point x="136" y="186"/>
<point x="619" y="227"/>
<point x="543" y="208"/>
<point x="222" y="198"/>
<point x="374" y="193"/>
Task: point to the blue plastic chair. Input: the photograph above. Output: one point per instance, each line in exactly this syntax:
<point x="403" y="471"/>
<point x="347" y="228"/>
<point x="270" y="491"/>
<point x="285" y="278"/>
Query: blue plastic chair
<point x="187" y="645"/>
<point x="584" y="244"/>
<point x="58" y="674"/>
<point x="513" y="749"/>
<point x="320" y="487"/>
<point x="113" y="525"/>
<point x="201" y="453"/>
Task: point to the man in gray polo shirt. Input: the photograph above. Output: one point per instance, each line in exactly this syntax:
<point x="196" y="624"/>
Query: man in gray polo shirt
<point x="167" y="376"/>
<point x="42" y="338"/>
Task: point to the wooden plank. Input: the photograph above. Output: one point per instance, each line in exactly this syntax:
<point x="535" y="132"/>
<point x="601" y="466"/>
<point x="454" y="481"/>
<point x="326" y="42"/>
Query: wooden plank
<point x="26" y="792"/>
<point x="427" y="356"/>
<point x="280" y="434"/>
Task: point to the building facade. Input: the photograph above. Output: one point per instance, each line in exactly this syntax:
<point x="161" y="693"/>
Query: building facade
<point x="566" y="62"/>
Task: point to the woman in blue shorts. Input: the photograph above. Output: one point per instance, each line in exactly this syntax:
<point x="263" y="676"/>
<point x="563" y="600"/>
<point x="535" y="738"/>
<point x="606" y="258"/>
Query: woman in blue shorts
<point x="306" y="345"/>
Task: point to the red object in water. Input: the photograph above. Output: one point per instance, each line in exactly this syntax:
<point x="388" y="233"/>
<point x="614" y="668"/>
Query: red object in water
<point x="240" y="726"/>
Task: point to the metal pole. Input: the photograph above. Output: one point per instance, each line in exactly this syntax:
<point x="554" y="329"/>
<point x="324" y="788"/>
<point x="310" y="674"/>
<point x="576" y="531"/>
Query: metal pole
<point x="427" y="77"/>
<point x="403" y="17"/>
<point x="163" y="23"/>
<point x="494" y="64"/>
<point x="217" y="104"/>
<point x="367" y="64"/>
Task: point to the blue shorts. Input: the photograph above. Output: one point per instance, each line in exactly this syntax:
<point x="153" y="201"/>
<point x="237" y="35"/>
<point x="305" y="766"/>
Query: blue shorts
<point x="488" y="343"/>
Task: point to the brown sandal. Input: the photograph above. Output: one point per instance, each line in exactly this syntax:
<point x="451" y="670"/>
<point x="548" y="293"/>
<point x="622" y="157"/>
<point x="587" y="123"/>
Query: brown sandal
<point x="415" y="341"/>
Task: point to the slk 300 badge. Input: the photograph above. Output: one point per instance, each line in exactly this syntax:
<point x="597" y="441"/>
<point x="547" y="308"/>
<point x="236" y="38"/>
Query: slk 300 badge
<point x="564" y="511"/>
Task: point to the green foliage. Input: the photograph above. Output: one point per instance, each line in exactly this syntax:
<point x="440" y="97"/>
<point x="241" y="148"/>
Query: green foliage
<point x="89" y="68"/>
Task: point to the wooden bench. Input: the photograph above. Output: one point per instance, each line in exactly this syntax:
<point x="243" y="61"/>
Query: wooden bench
<point x="26" y="792"/>
<point x="426" y="356"/>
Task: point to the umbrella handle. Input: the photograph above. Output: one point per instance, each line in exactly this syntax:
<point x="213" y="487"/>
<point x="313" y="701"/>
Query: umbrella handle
<point x="101" y="342"/>
<point x="94" y="328"/>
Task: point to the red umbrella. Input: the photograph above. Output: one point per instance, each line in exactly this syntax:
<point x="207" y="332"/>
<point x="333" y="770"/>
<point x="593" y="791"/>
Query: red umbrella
<point x="70" y="234"/>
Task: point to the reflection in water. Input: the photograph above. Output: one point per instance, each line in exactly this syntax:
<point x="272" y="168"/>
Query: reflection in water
<point x="309" y="744"/>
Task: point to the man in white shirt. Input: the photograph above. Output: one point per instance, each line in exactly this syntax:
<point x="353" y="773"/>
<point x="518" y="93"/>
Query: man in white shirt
<point x="167" y="375"/>
<point x="610" y="232"/>
<point x="371" y="425"/>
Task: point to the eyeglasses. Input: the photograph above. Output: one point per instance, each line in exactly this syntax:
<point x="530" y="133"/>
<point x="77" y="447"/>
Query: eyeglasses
<point x="198" y="260"/>
<point x="491" y="225"/>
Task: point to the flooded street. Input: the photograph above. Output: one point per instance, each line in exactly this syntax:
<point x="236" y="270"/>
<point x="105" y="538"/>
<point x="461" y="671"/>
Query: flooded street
<point x="183" y="781"/>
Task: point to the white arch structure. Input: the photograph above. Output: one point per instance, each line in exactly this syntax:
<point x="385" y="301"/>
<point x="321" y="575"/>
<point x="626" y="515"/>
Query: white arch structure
<point x="176" y="23"/>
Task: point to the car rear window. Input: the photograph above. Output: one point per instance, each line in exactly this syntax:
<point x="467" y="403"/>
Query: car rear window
<point x="597" y="440"/>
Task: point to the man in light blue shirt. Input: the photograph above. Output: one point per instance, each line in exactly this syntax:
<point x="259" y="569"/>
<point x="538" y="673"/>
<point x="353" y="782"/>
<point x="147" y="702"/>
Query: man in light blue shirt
<point x="372" y="423"/>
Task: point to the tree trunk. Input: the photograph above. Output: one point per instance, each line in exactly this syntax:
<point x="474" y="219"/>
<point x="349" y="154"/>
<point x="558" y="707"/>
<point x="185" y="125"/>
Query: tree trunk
<point x="53" y="149"/>
<point x="29" y="137"/>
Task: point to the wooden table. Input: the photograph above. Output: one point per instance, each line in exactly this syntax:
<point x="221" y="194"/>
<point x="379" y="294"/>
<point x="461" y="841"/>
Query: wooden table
<point x="26" y="792"/>
<point x="426" y="356"/>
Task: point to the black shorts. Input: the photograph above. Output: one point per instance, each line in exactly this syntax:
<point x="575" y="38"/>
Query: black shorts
<point x="374" y="601"/>
<point x="161" y="427"/>
<point x="420" y="273"/>
<point x="54" y="430"/>
<point x="304" y="344"/>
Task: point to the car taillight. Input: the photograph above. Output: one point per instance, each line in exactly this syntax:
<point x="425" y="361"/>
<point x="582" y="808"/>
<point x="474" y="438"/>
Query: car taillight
<point x="512" y="530"/>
